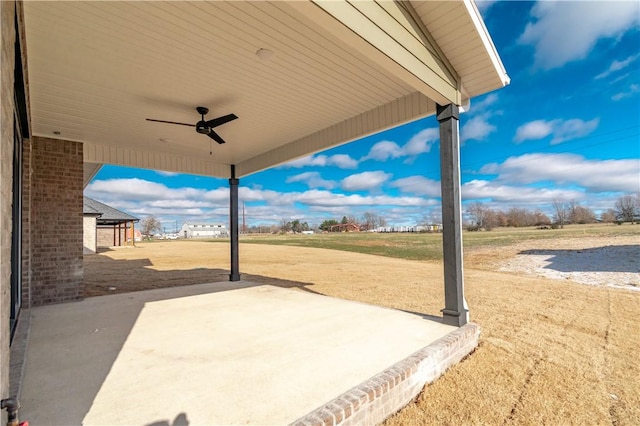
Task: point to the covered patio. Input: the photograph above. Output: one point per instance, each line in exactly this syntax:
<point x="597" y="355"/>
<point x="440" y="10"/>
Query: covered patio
<point x="279" y="80"/>
<point x="230" y="353"/>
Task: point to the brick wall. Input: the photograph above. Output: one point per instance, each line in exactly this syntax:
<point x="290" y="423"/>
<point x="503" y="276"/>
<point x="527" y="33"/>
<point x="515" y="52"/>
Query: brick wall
<point x="106" y="235"/>
<point x="89" y="234"/>
<point x="7" y="59"/>
<point x="56" y="221"/>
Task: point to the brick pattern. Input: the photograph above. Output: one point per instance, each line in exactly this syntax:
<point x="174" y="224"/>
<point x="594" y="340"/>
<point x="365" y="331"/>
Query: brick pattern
<point x="384" y="394"/>
<point x="110" y="236"/>
<point x="56" y="221"/>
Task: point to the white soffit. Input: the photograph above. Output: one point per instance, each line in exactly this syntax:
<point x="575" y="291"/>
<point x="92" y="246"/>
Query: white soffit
<point x="98" y="69"/>
<point x="459" y="31"/>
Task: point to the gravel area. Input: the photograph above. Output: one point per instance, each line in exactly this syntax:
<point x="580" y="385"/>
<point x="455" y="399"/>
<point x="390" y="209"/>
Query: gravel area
<point x="613" y="262"/>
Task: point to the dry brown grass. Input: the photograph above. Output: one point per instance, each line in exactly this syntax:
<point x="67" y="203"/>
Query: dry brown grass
<point x="551" y="352"/>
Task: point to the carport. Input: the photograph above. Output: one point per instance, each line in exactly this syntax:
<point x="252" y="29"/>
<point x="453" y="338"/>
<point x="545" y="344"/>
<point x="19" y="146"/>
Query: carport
<point x="300" y="76"/>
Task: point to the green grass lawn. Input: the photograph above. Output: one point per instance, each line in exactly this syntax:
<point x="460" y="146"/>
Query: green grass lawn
<point x="429" y="246"/>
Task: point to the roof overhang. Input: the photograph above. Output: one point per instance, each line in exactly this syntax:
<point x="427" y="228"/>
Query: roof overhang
<point x="339" y="71"/>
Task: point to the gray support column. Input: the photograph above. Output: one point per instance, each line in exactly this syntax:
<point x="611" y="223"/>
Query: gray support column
<point x="455" y="311"/>
<point x="233" y="224"/>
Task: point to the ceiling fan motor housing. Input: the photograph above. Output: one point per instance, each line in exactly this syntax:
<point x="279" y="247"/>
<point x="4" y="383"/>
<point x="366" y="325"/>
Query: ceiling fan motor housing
<point x="202" y="127"/>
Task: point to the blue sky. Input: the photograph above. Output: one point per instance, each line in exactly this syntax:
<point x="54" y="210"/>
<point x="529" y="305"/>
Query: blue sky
<point x="566" y="128"/>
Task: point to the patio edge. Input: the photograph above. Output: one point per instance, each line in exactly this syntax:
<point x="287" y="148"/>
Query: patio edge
<point x="384" y="394"/>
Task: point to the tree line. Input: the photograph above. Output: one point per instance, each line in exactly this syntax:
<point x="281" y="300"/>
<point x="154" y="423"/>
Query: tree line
<point x="369" y="220"/>
<point x="626" y="209"/>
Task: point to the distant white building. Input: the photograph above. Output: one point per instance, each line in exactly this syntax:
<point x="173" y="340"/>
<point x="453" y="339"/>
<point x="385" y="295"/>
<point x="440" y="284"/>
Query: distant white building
<point x="203" y="230"/>
<point x="419" y="228"/>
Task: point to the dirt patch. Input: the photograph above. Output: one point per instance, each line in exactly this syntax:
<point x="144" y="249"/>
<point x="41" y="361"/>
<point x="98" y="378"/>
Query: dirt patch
<point x="551" y="352"/>
<point x="612" y="261"/>
<point x="614" y="266"/>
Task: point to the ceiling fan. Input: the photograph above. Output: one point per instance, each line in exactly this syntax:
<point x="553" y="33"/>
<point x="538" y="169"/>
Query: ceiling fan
<point x="205" y="127"/>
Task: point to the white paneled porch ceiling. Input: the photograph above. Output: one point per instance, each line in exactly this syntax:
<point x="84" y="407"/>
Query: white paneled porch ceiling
<point x="339" y="71"/>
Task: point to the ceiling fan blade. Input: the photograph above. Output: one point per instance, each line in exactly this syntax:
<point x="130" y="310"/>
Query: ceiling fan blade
<point x="221" y="120"/>
<point x="213" y="135"/>
<point x="171" y="122"/>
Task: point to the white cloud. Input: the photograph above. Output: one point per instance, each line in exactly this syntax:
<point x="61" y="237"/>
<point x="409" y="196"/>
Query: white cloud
<point x="477" y="128"/>
<point x="561" y="130"/>
<point x="536" y="129"/>
<point x="330" y="199"/>
<point x="569" y="169"/>
<point x="383" y="150"/>
<point x="572" y="129"/>
<point x="168" y="174"/>
<point x="617" y="66"/>
<point x="484" y="5"/>
<point x="170" y="205"/>
<point x="419" y="143"/>
<point x="142" y="198"/>
<point x="311" y="160"/>
<point x="140" y="190"/>
<point x="565" y="31"/>
<point x="478" y="107"/>
<point x="312" y="179"/>
<point x="341" y="161"/>
<point x="633" y="89"/>
<point x="418" y="185"/>
<point x="483" y="189"/>
<point x="365" y="181"/>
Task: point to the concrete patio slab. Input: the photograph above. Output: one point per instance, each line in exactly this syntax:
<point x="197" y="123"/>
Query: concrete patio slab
<point x="223" y="353"/>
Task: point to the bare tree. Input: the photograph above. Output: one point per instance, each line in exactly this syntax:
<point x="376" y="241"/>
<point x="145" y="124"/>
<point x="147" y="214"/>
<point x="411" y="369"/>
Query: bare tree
<point x="477" y="212"/>
<point x="609" y="216"/>
<point x="371" y="220"/>
<point x="518" y="217"/>
<point x="560" y="215"/>
<point x="483" y="217"/>
<point x="581" y="214"/>
<point x="285" y="226"/>
<point x="539" y="218"/>
<point x="501" y="218"/>
<point x="149" y="225"/>
<point x="352" y="219"/>
<point x="627" y="208"/>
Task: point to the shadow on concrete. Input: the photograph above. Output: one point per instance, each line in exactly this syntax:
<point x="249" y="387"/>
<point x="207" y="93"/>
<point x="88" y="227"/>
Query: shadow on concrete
<point x="180" y="420"/>
<point x="215" y="351"/>
<point x="86" y="359"/>
<point x="598" y="259"/>
<point x="104" y="275"/>
<point x="73" y="346"/>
